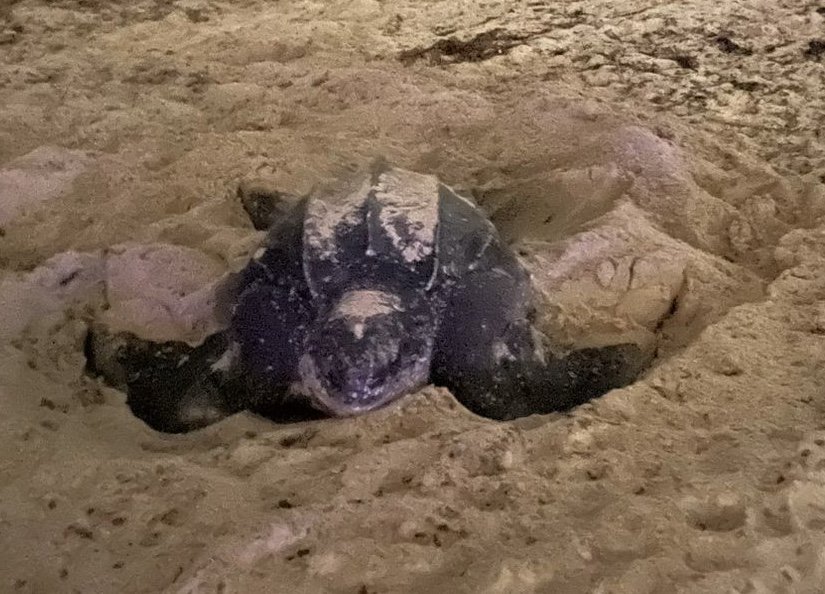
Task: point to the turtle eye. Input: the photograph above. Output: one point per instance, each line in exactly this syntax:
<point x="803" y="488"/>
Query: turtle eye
<point x="336" y="381"/>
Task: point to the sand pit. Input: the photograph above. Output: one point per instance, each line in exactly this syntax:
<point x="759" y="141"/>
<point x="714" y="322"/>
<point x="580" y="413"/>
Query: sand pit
<point x="658" y="166"/>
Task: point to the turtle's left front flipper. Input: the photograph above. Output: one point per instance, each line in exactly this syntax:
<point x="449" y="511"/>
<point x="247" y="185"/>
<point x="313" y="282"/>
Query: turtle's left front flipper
<point x="171" y="386"/>
<point x="497" y="365"/>
<point x="583" y="374"/>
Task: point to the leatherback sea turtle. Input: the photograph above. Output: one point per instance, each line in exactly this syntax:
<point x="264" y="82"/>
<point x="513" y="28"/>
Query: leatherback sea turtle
<point x="358" y="297"/>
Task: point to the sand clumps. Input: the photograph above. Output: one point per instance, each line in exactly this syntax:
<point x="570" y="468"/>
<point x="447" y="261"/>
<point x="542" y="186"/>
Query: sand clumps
<point x="44" y="174"/>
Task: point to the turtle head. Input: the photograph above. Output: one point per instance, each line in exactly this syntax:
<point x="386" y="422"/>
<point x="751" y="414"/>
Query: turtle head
<point x="367" y="351"/>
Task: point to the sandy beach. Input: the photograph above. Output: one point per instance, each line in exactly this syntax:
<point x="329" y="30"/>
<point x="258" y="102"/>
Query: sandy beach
<point x="658" y="166"/>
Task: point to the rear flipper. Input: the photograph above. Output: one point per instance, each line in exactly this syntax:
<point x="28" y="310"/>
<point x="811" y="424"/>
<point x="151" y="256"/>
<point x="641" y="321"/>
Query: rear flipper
<point x="264" y="206"/>
<point x="495" y="363"/>
<point x="171" y="386"/>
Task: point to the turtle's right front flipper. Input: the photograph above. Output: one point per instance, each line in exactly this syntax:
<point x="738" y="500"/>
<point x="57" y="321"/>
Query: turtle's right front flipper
<point x="171" y="386"/>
